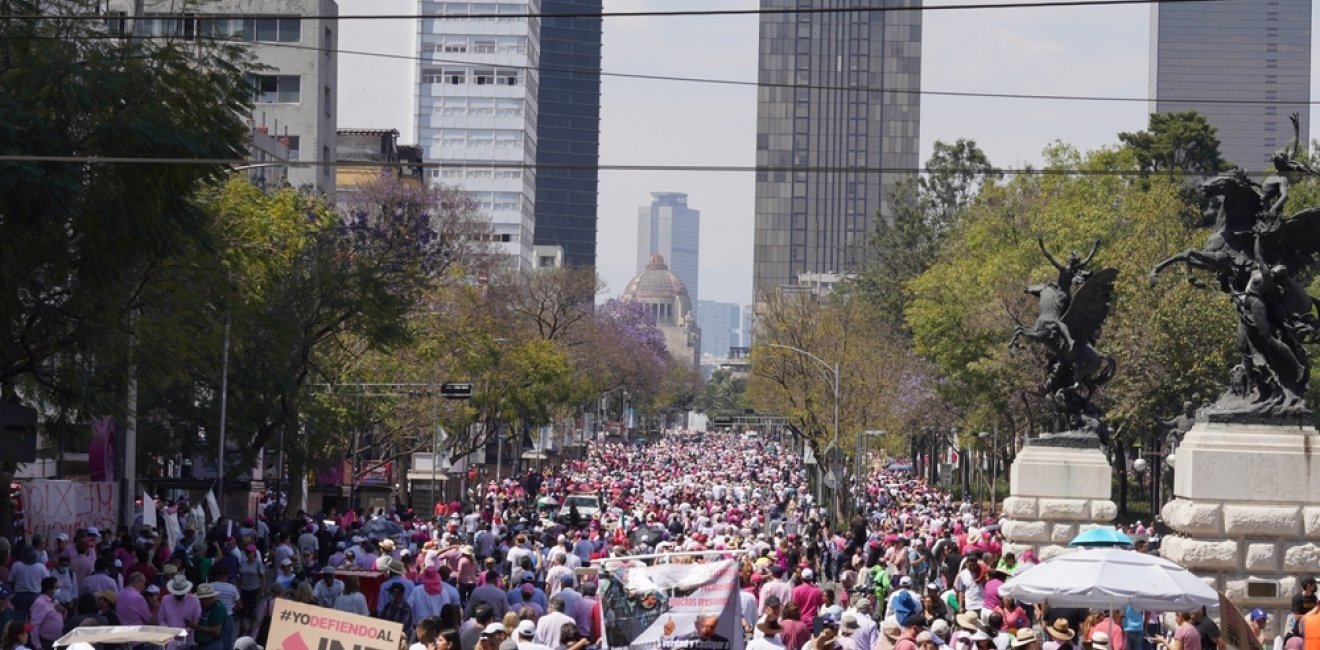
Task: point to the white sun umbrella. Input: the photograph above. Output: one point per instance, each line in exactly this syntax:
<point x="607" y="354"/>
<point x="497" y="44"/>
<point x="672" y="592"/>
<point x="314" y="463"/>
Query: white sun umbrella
<point x="1110" y="578"/>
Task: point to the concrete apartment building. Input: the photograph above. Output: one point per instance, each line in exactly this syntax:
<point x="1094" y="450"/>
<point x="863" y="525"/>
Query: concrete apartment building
<point x="1258" y="51"/>
<point x="295" y="95"/>
<point x="672" y="230"/>
<point x="476" y="110"/>
<point x="839" y="105"/>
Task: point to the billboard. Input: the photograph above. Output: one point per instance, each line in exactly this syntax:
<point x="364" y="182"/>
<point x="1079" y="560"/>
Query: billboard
<point x="671" y="606"/>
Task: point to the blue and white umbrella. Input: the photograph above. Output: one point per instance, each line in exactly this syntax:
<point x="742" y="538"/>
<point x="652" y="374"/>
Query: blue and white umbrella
<point x="1101" y="537"/>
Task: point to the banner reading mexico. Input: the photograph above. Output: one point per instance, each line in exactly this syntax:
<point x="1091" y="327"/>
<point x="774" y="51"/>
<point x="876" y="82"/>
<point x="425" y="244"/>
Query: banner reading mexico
<point x="671" y="607"/>
<point x="51" y="507"/>
<point x="295" y="626"/>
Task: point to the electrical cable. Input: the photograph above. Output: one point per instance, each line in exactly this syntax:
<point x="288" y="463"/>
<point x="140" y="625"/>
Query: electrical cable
<point x="691" y="12"/>
<point x="142" y="160"/>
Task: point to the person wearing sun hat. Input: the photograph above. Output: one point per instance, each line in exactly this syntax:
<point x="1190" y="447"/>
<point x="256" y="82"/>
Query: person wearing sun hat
<point x="396" y="570"/>
<point x="1025" y="639"/>
<point x="179" y="607"/>
<point x="1061" y="635"/>
<point x="209" y="628"/>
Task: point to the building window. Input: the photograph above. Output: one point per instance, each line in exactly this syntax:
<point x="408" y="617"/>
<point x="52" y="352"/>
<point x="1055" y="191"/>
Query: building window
<point x="455" y="76"/>
<point x="453" y="47"/>
<point x="294" y="143"/>
<point x="483" y="76"/>
<point x="275" y="89"/>
<point x="508" y="77"/>
<point x="546" y="261"/>
<point x="329" y="107"/>
<point x="483" y="47"/>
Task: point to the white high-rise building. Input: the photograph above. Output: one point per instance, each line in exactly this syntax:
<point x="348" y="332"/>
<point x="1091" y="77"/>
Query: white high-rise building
<point x="476" y="109"/>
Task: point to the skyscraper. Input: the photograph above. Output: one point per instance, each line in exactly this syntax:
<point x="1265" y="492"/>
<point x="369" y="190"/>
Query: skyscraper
<point x="838" y="103"/>
<point x="669" y="228"/>
<point x="568" y="104"/>
<point x="482" y="113"/>
<point x="1253" y="50"/>
<point x="720" y="323"/>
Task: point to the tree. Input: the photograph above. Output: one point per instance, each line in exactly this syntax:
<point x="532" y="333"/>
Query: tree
<point x="1176" y="142"/>
<point x="724" y="391"/>
<point x="919" y="217"/>
<point x="80" y="242"/>
<point x="1171" y="341"/>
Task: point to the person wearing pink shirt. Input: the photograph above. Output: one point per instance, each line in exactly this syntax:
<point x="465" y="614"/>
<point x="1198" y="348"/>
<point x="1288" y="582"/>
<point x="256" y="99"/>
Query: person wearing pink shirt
<point x="180" y="609"/>
<point x="131" y="606"/>
<point x="808" y="597"/>
<point x="46" y="616"/>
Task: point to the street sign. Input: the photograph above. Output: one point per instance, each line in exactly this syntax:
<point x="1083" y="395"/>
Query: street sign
<point x="834" y="461"/>
<point x="722" y="421"/>
<point x="456" y="390"/>
<point x="808" y="456"/>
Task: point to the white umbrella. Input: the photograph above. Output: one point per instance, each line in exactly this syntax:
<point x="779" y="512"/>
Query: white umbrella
<point x="1110" y="578"/>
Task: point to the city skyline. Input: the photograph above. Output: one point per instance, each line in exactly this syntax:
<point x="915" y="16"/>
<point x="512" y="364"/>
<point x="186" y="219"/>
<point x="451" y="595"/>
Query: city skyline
<point x="668" y="227"/>
<point x="1098" y="51"/>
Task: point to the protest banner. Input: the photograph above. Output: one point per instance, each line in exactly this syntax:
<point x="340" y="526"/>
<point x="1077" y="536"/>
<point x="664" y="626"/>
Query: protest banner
<point x="295" y="626"/>
<point x="1237" y="633"/>
<point x="671" y="606"/>
<point x="51" y="507"/>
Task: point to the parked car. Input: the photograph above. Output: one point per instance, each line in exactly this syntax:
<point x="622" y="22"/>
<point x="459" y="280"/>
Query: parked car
<point x="587" y="505"/>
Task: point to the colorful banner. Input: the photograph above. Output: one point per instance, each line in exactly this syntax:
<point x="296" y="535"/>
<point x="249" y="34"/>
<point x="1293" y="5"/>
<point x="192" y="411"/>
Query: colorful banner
<point x="671" y="606"/>
<point x="295" y="626"/>
<point x="51" y="507"/>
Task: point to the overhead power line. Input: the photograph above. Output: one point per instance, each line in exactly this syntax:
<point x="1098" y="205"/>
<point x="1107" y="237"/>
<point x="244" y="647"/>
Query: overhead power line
<point x="590" y="72"/>
<point x="691" y="12"/>
<point x="742" y="169"/>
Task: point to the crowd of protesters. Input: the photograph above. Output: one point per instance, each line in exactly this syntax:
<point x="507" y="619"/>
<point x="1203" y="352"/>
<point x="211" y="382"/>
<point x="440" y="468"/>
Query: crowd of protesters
<point x="913" y="569"/>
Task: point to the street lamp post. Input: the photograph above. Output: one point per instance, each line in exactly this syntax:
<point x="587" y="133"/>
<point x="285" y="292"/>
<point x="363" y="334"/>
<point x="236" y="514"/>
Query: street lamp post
<point x="828" y="370"/>
<point x="994" y="465"/>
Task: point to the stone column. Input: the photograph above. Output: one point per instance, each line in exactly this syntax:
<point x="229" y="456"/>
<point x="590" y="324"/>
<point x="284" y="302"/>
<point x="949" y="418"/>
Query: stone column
<point x="1056" y="492"/>
<point x="1247" y="510"/>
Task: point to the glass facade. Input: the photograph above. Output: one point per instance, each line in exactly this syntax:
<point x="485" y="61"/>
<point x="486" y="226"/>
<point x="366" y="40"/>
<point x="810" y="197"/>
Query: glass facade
<point x="672" y="230"/>
<point x="569" y="130"/>
<point x="837" y="105"/>
<point x="1255" y="50"/>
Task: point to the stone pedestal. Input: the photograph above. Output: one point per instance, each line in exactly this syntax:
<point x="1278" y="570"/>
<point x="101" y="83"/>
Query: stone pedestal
<point x="1247" y="510"/>
<point x="1055" y="494"/>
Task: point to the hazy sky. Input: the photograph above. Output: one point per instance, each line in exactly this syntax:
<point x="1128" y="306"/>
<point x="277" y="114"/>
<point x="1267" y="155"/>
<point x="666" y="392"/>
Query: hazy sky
<point x="1062" y="51"/>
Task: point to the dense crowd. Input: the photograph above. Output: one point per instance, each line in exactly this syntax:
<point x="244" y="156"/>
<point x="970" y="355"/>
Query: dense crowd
<point x="913" y="569"/>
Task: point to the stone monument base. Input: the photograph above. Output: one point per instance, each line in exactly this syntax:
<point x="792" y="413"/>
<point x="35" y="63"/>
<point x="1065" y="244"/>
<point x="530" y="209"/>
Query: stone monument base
<point x="1247" y="510"/>
<point x="1056" y="493"/>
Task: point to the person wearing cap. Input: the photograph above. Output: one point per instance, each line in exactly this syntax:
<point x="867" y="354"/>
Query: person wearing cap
<point x="178" y="608"/>
<point x="209" y="628"/>
<point x="465" y="570"/>
<point x="492" y="637"/>
<point x="395" y="571"/>
<point x="828" y="639"/>
<point x="808" y="597"/>
<point x="396" y="607"/>
<point x="515" y="593"/>
<point x="525" y="634"/>
<point x="902" y="603"/>
<point x="1258" y="619"/>
<point x="913" y="625"/>
<point x="17" y="636"/>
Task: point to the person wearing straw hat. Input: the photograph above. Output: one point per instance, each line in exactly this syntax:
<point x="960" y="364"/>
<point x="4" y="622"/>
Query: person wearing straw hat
<point x="1100" y="641"/>
<point x="1025" y="639"/>
<point x="1061" y="636"/>
<point x="178" y="609"/>
<point x="968" y="623"/>
<point x="209" y="628"/>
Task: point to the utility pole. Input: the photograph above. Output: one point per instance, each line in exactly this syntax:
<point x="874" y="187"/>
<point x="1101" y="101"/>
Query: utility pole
<point x="224" y="408"/>
<point x="129" y="480"/>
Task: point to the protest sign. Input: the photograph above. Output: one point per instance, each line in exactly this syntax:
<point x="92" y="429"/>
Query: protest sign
<point x="51" y="507"/>
<point x="1237" y="633"/>
<point x="671" y="606"/>
<point x="295" y="626"/>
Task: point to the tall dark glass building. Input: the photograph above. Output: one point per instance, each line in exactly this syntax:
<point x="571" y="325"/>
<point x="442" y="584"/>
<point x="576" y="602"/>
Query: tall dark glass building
<point x="838" y="101"/>
<point x="1258" y="51"/>
<point x="568" y="130"/>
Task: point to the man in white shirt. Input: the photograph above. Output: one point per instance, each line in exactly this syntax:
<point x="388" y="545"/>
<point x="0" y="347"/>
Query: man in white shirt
<point x="548" y="628"/>
<point x="767" y="636"/>
<point x="526" y="637"/>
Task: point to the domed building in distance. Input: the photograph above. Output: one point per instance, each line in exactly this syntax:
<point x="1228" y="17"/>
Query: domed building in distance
<point x="667" y="298"/>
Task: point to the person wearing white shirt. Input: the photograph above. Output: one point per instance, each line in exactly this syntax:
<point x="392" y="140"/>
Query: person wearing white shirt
<point x="550" y="625"/>
<point x="767" y="636"/>
<point x="526" y="637"/>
